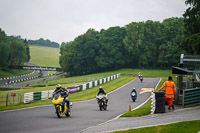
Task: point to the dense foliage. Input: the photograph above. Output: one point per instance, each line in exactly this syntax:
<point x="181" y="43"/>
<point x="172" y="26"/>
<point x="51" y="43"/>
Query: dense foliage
<point x="139" y="44"/>
<point x="42" y="42"/>
<point x="191" y="40"/>
<point x="13" y="51"/>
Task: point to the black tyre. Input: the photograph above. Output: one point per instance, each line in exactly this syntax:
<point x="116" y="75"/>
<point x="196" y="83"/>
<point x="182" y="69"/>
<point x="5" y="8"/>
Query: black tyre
<point x="101" y="105"/>
<point x="159" y="94"/>
<point x="160" y="99"/>
<point x="160" y="104"/>
<point x="105" y="106"/>
<point x="58" y="112"/>
<point x="160" y="110"/>
<point x="68" y="113"/>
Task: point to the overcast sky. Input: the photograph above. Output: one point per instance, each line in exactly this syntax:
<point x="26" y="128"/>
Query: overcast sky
<point x="64" y="20"/>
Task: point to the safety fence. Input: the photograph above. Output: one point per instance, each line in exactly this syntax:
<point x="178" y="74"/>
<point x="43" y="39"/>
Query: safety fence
<point x="191" y="96"/>
<point x="19" y="80"/>
<point x="33" y="96"/>
<point x="19" y="76"/>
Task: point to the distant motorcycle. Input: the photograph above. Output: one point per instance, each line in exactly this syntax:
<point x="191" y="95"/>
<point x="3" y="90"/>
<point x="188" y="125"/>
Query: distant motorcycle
<point x="140" y="77"/>
<point x="102" y="101"/>
<point x="133" y="95"/>
<point x="61" y="105"/>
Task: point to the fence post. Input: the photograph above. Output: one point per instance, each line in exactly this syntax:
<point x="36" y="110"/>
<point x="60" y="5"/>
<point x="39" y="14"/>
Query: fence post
<point x="183" y="98"/>
<point x="7" y="100"/>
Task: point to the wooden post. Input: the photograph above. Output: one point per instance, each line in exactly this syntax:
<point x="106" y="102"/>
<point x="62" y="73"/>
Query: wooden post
<point x="129" y="110"/>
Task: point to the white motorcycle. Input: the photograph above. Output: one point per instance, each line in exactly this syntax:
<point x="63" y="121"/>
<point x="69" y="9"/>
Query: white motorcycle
<point x="102" y="101"/>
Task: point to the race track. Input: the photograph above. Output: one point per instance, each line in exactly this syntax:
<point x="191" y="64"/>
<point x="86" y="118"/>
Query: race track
<point x="85" y="114"/>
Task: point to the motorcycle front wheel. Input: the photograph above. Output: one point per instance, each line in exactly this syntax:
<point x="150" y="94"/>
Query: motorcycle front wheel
<point x="101" y="105"/>
<point x="58" y="112"/>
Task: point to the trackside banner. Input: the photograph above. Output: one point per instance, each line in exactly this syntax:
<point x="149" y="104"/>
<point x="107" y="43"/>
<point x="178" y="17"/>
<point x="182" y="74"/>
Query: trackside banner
<point x="36" y="68"/>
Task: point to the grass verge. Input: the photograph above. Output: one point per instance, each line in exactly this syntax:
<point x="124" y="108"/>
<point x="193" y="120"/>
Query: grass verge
<point x="180" y="127"/>
<point x="144" y="110"/>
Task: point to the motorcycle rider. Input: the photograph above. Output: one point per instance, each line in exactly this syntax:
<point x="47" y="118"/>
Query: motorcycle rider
<point x="133" y="90"/>
<point x="101" y="91"/>
<point x="64" y="93"/>
<point x="139" y="75"/>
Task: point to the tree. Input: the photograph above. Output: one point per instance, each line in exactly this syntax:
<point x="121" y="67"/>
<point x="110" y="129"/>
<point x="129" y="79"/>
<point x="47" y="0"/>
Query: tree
<point x="27" y="50"/>
<point x="17" y="54"/>
<point x="134" y="42"/>
<point x="4" y="50"/>
<point x="169" y="49"/>
<point x="112" y="53"/>
<point x="191" y="40"/>
<point x="78" y="57"/>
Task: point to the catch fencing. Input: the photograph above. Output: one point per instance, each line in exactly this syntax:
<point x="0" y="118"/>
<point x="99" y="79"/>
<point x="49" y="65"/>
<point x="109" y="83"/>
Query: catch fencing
<point x="33" y="96"/>
<point x="12" y="98"/>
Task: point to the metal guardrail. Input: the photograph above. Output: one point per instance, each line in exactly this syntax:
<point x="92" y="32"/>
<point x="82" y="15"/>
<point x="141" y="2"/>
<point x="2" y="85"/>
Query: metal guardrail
<point x="191" y="96"/>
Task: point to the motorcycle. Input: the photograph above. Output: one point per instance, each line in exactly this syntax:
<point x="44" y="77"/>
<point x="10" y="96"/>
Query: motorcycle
<point x="102" y="101"/>
<point x="61" y="105"/>
<point x="141" y="78"/>
<point x="133" y="96"/>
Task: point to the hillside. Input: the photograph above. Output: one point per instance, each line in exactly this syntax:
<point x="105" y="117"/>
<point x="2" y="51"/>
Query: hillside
<point x="45" y="56"/>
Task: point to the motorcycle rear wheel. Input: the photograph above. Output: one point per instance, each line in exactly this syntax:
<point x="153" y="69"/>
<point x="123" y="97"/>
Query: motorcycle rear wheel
<point x="68" y="113"/>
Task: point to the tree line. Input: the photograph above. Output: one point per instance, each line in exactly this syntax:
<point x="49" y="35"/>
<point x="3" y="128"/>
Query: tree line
<point x="149" y="44"/>
<point x="42" y="42"/>
<point x="139" y="44"/>
<point x="13" y="51"/>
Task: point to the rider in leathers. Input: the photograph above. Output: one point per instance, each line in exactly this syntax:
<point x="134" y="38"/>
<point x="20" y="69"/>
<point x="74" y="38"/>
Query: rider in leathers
<point x="101" y="91"/>
<point x="64" y="93"/>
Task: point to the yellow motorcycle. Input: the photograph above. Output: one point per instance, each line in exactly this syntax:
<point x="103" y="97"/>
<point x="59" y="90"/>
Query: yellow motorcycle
<point x="60" y="105"/>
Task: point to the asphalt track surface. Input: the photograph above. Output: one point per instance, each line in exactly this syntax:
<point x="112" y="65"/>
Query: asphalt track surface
<point x="85" y="114"/>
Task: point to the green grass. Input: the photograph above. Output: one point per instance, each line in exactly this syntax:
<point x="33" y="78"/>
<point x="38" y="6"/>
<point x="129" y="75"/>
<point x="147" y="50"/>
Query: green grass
<point x="144" y="110"/>
<point x="45" y="56"/>
<point x="108" y="87"/>
<point x="12" y="72"/>
<point x="90" y="77"/>
<point x="180" y="127"/>
<point x="75" y="79"/>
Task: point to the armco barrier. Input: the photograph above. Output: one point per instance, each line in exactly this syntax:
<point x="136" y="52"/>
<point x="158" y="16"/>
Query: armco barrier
<point x="32" y="96"/>
<point x="191" y="96"/>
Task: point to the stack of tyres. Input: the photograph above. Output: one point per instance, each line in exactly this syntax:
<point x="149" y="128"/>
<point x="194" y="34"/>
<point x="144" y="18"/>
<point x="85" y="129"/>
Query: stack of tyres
<point x="160" y="102"/>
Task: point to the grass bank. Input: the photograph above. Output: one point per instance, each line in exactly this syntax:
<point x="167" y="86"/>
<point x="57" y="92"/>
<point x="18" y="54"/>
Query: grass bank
<point x="45" y="56"/>
<point x="180" y="127"/>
